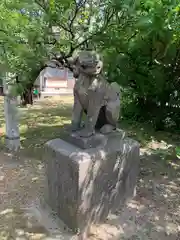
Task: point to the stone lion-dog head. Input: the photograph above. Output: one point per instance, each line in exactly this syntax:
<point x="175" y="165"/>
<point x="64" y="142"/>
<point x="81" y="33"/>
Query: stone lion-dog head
<point x="86" y="63"/>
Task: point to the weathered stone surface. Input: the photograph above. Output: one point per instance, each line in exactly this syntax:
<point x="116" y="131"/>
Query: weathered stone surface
<point x="97" y="140"/>
<point x="94" y="96"/>
<point x="12" y="138"/>
<point x="85" y="185"/>
<point x="85" y="143"/>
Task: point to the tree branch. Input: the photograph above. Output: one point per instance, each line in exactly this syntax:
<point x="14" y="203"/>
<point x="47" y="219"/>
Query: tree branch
<point x="26" y="42"/>
<point x="106" y="22"/>
<point x="63" y="58"/>
<point x="42" y="4"/>
<point x="73" y="18"/>
<point x="78" y="6"/>
<point x="4" y="31"/>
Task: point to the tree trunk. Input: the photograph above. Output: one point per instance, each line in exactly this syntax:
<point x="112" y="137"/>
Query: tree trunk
<point x="27" y="97"/>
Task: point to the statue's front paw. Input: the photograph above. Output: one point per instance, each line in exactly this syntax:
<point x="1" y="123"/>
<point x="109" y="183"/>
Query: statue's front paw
<point x="85" y="133"/>
<point x="75" y="127"/>
<point x="107" y="128"/>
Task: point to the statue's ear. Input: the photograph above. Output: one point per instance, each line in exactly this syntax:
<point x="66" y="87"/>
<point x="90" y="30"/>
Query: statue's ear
<point x="101" y="64"/>
<point x="70" y="60"/>
<point x="76" y="60"/>
<point x="73" y="61"/>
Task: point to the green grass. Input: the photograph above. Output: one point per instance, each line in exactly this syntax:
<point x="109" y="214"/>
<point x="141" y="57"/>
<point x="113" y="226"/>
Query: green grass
<point x="43" y="121"/>
<point x="160" y="150"/>
<point x="159" y="165"/>
<point x="49" y="119"/>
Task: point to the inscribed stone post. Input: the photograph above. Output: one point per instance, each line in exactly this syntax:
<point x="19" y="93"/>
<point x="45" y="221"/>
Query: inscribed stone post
<point x="11" y="119"/>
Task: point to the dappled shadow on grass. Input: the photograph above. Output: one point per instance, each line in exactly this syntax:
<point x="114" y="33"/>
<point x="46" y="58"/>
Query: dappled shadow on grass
<point x="20" y="183"/>
<point x="34" y="139"/>
<point x="155" y="211"/>
<point x="144" y="133"/>
<point x="1" y="113"/>
<point x="42" y="123"/>
<point x="1" y="122"/>
<point x="19" y="224"/>
<point x="46" y="115"/>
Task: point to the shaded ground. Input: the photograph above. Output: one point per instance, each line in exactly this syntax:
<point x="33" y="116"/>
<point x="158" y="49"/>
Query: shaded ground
<point x="153" y="214"/>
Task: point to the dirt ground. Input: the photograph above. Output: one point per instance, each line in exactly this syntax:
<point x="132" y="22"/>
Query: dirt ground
<point x="153" y="214"/>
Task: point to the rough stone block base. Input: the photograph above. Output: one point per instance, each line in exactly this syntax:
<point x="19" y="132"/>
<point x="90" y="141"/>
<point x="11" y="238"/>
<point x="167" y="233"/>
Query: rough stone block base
<point x="85" y="185"/>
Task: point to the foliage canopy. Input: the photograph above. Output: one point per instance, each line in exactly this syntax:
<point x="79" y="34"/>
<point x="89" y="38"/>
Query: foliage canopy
<point x="139" y="40"/>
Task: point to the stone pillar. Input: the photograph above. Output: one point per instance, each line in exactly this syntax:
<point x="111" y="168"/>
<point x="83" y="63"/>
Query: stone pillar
<point x="85" y="185"/>
<point x="11" y="119"/>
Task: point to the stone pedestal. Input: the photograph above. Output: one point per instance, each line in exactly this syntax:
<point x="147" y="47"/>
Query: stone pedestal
<point x="12" y="121"/>
<point x="85" y="185"/>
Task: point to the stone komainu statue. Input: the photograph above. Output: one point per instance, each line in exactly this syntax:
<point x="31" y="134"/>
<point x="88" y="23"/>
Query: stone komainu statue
<point x="94" y="96"/>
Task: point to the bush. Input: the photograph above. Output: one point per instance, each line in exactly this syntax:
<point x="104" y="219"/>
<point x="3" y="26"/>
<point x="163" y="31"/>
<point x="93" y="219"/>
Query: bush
<point x="143" y="56"/>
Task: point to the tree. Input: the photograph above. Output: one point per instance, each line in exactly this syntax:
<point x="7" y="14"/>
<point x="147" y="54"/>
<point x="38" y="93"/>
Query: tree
<point x="22" y="48"/>
<point x="27" y="32"/>
<point x="139" y="41"/>
<point x="142" y="54"/>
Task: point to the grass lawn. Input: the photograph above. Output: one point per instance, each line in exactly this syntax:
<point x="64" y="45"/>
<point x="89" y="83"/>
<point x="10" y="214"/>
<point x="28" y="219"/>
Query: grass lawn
<point x="49" y="118"/>
<point x="159" y="178"/>
<point x="41" y="122"/>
